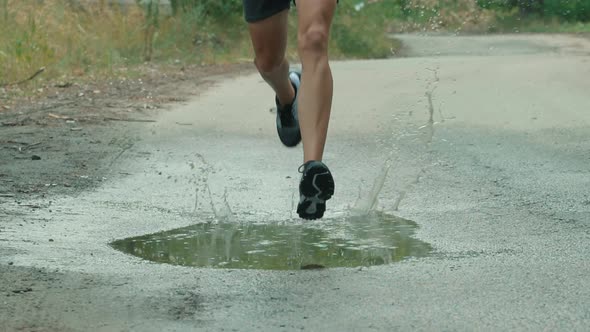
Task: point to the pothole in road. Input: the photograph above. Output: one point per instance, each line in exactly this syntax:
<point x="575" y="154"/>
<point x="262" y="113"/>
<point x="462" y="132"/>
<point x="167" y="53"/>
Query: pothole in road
<point x="355" y="241"/>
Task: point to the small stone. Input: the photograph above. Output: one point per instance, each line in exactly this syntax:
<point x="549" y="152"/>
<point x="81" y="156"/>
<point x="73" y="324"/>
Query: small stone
<point x="20" y="291"/>
<point x="312" y="267"/>
<point x="35" y="157"/>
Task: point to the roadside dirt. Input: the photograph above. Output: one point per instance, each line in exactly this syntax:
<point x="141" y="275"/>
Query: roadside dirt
<point x="87" y="302"/>
<point x="62" y="141"/>
<point x="66" y="137"/>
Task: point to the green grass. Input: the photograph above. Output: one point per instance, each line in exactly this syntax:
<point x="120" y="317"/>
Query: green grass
<point x="532" y="24"/>
<point x="362" y="34"/>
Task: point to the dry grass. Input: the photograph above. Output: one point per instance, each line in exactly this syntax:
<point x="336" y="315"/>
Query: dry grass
<point x="97" y="40"/>
<point x="64" y="39"/>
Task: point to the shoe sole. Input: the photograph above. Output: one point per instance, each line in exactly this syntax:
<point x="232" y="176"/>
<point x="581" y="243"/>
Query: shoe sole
<point x="316" y="188"/>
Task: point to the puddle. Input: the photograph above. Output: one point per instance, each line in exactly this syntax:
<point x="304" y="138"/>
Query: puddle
<point x="374" y="239"/>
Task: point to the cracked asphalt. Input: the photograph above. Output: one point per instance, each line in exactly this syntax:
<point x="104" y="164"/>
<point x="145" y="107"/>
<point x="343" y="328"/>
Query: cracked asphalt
<point x="487" y="140"/>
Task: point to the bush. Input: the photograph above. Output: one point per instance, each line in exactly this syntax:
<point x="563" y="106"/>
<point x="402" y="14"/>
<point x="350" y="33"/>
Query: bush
<point x="571" y="10"/>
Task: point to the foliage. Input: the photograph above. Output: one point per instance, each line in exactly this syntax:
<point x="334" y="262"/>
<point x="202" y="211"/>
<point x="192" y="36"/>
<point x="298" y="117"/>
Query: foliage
<point x="571" y="10"/>
<point x="361" y="33"/>
<point x="437" y="15"/>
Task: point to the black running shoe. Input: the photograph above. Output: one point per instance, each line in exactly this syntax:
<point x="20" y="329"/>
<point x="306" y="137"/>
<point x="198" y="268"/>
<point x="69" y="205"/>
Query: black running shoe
<point x="315" y="188"/>
<point x="287" y="117"/>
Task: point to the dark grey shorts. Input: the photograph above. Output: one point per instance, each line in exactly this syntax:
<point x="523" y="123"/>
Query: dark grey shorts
<point x="256" y="10"/>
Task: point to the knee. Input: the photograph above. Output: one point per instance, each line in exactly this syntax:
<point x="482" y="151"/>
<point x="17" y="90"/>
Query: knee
<point x="267" y="63"/>
<point x="313" y="41"/>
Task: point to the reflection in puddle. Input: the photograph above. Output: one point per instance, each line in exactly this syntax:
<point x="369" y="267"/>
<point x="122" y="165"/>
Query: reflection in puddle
<point x="374" y="239"/>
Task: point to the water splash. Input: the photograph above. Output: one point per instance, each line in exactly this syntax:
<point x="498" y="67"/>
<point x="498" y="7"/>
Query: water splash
<point x="225" y="213"/>
<point x="222" y="212"/>
<point x="368" y="203"/>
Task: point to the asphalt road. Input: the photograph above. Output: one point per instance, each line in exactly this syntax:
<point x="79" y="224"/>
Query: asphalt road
<point x="488" y="154"/>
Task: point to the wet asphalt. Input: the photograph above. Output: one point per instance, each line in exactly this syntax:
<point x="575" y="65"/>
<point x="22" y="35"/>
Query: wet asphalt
<point x="488" y="154"/>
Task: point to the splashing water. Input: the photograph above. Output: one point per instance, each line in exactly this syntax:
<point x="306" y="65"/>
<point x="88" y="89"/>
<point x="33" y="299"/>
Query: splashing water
<point x="366" y="204"/>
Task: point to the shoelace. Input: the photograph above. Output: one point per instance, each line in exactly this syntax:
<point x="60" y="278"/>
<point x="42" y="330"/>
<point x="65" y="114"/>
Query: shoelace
<point x="301" y="168"/>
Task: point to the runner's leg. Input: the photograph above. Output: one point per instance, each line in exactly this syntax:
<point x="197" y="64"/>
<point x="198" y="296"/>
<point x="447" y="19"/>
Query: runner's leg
<point x="269" y="39"/>
<point x="315" y="95"/>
